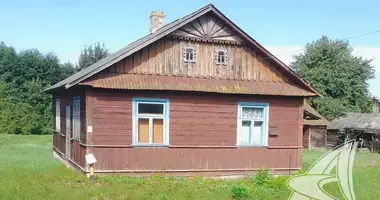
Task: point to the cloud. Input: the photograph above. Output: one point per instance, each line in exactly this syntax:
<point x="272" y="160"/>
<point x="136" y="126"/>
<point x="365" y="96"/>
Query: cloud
<point x="286" y="53"/>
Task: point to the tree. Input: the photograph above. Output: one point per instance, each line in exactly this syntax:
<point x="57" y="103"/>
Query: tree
<point x="341" y="77"/>
<point x="24" y="107"/>
<point x="92" y="54"/>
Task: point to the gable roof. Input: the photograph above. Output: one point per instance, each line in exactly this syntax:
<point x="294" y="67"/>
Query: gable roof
<point x="162" y="32"/>
<point x="315" y="119"/>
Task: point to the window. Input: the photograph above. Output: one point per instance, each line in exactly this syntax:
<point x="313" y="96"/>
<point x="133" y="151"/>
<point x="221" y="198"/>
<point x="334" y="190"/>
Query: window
<point x="221" y="57"/>
<point x="68" y="121"/>
<point x="252" y="124"/>
<point x="150" y="121"/>
<point x="58" y="115"/>
<point x="76" y="118"/>
<point x="189" y="55"/>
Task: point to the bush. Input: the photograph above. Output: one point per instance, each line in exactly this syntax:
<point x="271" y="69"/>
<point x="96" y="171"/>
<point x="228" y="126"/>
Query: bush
<point x="278" y="182"/>
<point x="240" y="192"/>
<point x="261" y="177"/>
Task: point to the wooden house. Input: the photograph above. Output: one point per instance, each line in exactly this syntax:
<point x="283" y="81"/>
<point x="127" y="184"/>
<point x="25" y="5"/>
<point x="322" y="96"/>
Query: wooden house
<point x="314" y="128"/>
<point x="197" y="96"/>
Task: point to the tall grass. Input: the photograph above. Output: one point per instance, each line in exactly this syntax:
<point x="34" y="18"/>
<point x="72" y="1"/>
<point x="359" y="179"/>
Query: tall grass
<point x="28" y="171"/>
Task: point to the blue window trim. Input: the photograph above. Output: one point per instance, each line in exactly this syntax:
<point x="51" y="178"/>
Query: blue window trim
<point x="135" y="101"/>
<point x="265" y="133"/>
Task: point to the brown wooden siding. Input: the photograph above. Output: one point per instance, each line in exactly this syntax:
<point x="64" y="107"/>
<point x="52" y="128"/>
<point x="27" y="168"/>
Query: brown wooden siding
<point x="78" y="153"/>
<point x="306" y="137"/>
<point x="318" y="136"/>
<point x="165" y="58"/>
<point x="193" y="159"/>
<point x="211" y="119"/>
<point x="314" y="136"/>
<point x="59" y="142"/>
<point x="66" y="99"/>
<point x="332" y="139"/>
<point x="197" y="121"/>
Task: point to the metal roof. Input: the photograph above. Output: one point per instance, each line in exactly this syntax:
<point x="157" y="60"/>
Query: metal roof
<point x="154" y="82"/>
<point x="160" y="33"/>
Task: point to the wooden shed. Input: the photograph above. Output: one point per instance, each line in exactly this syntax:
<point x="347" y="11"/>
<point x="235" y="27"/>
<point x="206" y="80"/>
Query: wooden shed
<point x="197" y="96"/>
<point x="314" y="128"/>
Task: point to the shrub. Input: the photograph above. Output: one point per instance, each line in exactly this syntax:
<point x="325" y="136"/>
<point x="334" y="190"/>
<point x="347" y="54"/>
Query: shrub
<point x="278" y="182"/>
<point x="240" y="192"/>
<point x="261" y="177"/>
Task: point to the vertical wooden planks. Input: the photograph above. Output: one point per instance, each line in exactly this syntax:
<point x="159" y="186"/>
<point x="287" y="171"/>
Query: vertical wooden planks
<point x="160" y="56"/>
<point x="152" y="62"/>
<point x="120" y="66"/>
<point x="238" y="63"/>
<point x="168" y="57"/>
<point x="164" y="57"/>
<point x="243" y="73"/>
<point x="137" y="62"/>
<point x="128" y="65"/>
<point x="181" y="64"/>
<point x="145" y="60"/>
<point x="200" y="64"/>
<point x="231" y="62"/>
<point x="176" y="57"/>
<point x="249" y="64"/>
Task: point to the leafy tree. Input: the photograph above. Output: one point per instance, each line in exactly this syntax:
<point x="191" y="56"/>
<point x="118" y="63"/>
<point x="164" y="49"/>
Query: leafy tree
<point x="24" y="107"/>
<point x="92" y="54"/>
<point x="341" y="77"/>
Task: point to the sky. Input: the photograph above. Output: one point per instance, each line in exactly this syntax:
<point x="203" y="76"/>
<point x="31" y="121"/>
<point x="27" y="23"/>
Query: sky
<point x="283" y="27"/>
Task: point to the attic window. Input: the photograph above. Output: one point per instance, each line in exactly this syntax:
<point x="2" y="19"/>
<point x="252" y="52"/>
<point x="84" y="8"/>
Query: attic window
<point x="221" y="57"/>
<point x="189" y="55"/>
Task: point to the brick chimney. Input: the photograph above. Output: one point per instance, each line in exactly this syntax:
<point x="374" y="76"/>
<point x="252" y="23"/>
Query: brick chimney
<point x="157" y="20"/>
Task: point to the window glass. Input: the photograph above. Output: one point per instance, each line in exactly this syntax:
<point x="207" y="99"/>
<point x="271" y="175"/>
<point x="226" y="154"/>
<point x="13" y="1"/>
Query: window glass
<point x="58" y="115"/>
<point x="245" y="132"/>
<point x="158" y="131"/>
<point x="143" y="130"/>
<point x="76" y="118"/>
<point x="252" y="112"/>
<point x="151" y="123"/>
<point x="221" y="56"/>
<point x="257" y="131"/>
<point x="189" y="54"/>
<point x="253" y="127"/>
<point x="146" y="108"/>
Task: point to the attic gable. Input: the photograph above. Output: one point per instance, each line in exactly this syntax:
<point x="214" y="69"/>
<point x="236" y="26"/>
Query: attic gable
<point x="207" y="28"/>
<point x="171" y="28"/>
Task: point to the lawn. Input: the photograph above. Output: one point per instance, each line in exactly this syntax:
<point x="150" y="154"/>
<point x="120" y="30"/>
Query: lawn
<point x="28" y="171"/>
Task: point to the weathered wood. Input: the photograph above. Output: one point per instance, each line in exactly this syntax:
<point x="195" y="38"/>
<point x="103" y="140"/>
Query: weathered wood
<point x="165" y="57"/>
<point x="207" y="27"/>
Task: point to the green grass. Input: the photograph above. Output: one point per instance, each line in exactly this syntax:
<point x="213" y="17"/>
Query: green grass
<point x="28" y="171"/>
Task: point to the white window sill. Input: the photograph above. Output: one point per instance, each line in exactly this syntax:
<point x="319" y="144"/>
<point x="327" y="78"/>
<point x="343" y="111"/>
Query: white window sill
<point x="149" y="145"/>
<point x="251" y="146"/>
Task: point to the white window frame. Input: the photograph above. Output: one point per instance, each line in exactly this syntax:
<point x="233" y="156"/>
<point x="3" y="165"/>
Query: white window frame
<point x="264" y="120"/>
<point x="58" y="115"/>
<point x="76" y="119"/>
<point x="136" y="116"/>
<point x="185" y="60"/>
<point x="216" y="56"/>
